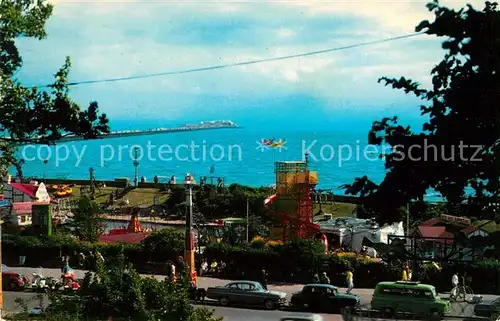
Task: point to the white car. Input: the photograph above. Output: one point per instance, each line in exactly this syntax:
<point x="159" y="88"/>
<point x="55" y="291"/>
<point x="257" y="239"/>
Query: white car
<point x="314" y="317"/>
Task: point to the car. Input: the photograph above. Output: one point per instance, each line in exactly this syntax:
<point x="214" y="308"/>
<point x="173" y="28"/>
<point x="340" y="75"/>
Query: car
<point x="324" y="298"/>
<point x="408" y="297"/>
<point x="12" y="281"/>
<point x="314" y="317"/>
<point x="246" y="293"/>
<point x="488" y="309"/>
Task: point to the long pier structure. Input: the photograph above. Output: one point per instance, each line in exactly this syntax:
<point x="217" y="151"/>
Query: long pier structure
<point x="218" y="124"/>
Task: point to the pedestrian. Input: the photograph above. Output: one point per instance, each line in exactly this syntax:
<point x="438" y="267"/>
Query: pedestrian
<point x="181" y="267"/>
<point x="81" y="260"/>
<point x="91" y="261"/>
<point x="203" y="267"/>
<point x="316" y="279"/>
<point x="454" y="285"/>
<point x="324" y="279"/>
<point x="263" y="279"/>
<point x="404" y="276"/>
<point x="350" y="280"/>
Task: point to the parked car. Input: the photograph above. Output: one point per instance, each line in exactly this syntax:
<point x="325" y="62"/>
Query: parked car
<point x="324" y="298"/>
<point x="488" y="309"/>
<point x="12" y="281"/>
<point x="410" y="298"/>
<point x="246" y="293"/>
<point x="314" y="317"/>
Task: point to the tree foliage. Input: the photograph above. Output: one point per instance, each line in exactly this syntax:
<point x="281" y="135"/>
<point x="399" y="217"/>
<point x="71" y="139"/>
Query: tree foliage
<point x="32" y="115"/>
<point x="118" y="291"/>
<point x="458" y="146"/>
<point x="216" y="202"/>
<point x="87" y="221"/>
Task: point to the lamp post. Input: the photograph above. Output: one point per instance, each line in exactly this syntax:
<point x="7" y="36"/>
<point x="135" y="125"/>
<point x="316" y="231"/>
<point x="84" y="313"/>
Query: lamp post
<point x="189" y="246"/>
<point x="1" y="291"/>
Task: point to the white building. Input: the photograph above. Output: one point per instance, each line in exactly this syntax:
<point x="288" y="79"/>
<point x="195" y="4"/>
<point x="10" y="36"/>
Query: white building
<point x="352" y="231"/>
<point x="21" y="198"/>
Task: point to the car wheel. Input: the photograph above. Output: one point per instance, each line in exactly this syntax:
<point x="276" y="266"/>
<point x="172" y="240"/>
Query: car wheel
<point x="436" y="315"/>
<point x="270" y="305"/>
<point x="388" y="312"/>
<point x="224" y="301"/>
<point x="13" y="286"/>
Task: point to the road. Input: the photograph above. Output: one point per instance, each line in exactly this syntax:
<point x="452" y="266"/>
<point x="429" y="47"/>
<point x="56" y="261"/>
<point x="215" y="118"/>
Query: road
<point x="231" y="314"/>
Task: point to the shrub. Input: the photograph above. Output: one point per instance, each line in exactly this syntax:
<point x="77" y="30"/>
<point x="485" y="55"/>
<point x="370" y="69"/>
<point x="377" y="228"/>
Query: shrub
<point x="118" y="291"/>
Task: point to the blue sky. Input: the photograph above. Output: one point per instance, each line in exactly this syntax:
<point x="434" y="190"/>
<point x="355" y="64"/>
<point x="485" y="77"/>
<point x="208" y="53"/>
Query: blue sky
<point x="108" y="39"/>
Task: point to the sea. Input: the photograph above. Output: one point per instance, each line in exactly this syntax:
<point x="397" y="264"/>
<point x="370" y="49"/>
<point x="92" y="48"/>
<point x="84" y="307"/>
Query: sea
<point x="338" y="151"/>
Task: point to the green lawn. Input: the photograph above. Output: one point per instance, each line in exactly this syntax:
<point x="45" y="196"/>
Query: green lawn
<point x="337" y="209"/>
<point x="136" y="197"/>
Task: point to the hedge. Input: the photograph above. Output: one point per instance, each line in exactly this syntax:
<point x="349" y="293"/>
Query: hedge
<point x="297" y="262"/>
<point x="293" y="262"/>
<point x="149" y="256"/>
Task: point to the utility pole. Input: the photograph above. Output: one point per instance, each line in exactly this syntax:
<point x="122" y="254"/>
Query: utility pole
<point x="407" y="219"/>
<point x="91" y="182"/>
<point x="136" y="165"/>
<point x="189" y="246"/>
<point x="1" y="291"/>
<point x="248" y="211"/>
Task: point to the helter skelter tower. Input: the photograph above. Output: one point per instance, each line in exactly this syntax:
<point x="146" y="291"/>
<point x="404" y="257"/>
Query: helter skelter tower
<point x="294" y="183"/>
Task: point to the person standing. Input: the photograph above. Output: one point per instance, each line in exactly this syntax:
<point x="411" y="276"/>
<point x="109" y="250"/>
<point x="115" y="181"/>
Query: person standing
<point x="454" y="285"/>
<point x="324" y="278"/>
<point x="263" y="279"/>
<point x="181" y="267"/>
<point x="350" y="280"/>
<point x="316" y="279"/>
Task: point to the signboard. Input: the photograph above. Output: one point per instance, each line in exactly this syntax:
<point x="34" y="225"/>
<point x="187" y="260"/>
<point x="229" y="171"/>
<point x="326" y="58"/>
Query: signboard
<point x="461" y="220"/>
<point x="4" y="203"/>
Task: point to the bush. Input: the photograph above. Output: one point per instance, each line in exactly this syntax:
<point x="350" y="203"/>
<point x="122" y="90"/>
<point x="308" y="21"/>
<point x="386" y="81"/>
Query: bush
<point x="117" y="291"/>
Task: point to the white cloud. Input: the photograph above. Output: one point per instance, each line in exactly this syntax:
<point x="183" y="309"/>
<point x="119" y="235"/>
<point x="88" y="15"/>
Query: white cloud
<point x="124" y="38"/>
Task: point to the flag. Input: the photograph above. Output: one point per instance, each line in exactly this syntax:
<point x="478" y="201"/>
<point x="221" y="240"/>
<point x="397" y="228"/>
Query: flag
<point x="212" y="169"/>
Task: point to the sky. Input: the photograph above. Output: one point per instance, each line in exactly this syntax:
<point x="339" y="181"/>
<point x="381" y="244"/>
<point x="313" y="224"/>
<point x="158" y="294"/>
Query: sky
<point x="109" y="39"/>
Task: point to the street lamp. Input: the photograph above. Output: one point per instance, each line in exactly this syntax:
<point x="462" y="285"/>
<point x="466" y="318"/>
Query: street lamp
<point x="1" y="268"/>
<point x="189" y="246"/>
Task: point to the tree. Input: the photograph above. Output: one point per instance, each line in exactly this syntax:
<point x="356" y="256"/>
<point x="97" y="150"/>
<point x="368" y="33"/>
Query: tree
<point x="31" y="115"/>
<point x="458" y="147"/>
<point x="118" y="291"/>
<point x="87" y="219"/>
<point x="165" y="243"/>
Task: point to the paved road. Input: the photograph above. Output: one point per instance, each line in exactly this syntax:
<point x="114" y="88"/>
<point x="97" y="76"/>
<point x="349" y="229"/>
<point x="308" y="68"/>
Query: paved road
<point x="236" y="314"/>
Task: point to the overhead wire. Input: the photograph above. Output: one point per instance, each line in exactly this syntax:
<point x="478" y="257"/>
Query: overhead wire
<point x="236" y="64"/>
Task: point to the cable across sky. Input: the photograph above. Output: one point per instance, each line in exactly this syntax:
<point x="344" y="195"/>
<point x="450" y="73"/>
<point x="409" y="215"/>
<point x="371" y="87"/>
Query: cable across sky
<point x="236" y="64"/>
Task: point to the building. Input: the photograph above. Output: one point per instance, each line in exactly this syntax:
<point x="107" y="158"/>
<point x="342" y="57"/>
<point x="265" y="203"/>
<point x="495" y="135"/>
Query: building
<point x="446" y="237"/>
<point x="20" y="199"/>
<point x="352" y="232"/>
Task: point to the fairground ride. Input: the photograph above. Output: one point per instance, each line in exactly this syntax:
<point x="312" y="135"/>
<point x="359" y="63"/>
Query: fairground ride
<point x="292" y="202"/>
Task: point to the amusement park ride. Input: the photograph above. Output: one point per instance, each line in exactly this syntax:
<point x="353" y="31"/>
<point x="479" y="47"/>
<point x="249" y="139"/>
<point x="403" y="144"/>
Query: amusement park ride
<point x="292" y="202"/>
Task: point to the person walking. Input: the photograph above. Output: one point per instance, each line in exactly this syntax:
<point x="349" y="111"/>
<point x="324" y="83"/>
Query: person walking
<point x="350" y="280"/>
<point x="316" y="279"/>
<point x="324" y="279"/>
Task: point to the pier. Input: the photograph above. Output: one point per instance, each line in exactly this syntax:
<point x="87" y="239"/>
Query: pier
<point x="155" y="131"/>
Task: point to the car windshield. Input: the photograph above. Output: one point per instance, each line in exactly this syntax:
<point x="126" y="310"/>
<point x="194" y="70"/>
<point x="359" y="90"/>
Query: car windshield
<point x="258" y="287"/>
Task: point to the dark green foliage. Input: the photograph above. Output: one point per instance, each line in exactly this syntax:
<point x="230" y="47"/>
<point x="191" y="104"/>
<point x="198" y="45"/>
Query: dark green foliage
<point x="87" y="221"/>
<point x="219" y="202"/>
<point x="118" y="291"/>
<point x="32" y="115"/>
<point x="461" y="109"/>
<point x="165" y="243"/>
